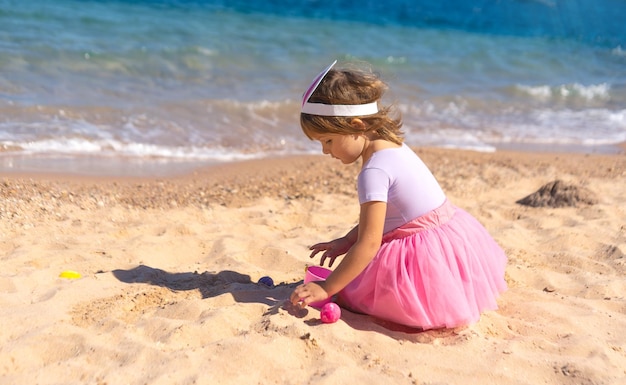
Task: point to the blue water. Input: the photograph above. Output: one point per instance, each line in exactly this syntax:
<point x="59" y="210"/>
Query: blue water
<point x="168" y="82"/>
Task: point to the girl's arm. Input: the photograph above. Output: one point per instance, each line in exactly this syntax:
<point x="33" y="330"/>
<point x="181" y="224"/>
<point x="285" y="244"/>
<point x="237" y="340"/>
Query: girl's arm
<point x="370" y="234"/>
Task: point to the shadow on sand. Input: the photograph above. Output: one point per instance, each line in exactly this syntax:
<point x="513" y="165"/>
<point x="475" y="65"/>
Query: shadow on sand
<point x="244" y="290"/>
<point x="211" y="284"/>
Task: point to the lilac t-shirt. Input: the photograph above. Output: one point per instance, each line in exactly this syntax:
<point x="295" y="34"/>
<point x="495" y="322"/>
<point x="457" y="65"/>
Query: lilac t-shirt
<point x="400" y="178"/>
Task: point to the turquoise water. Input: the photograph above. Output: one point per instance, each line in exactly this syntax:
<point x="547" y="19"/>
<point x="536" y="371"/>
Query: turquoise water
<point x="170" y="82"/>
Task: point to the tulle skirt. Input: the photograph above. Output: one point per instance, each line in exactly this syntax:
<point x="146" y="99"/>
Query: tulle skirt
<point x="442" y="270"/>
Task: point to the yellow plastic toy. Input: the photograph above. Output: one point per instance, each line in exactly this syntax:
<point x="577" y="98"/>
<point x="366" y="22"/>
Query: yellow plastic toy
<point x="69" y="274"/>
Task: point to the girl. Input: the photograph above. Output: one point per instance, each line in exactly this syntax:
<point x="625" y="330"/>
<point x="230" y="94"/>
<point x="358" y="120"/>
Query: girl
<point x="414" y="258"/>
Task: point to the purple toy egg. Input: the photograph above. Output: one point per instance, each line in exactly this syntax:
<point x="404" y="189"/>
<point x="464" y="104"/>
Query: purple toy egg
<point x="330" y="313"/>
<point x="267" y="281"/>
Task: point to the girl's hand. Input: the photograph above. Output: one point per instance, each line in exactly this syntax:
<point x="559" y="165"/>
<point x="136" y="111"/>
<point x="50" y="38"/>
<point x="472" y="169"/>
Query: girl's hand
<point x="307" y="293"/>
<point x="331" y="249"/>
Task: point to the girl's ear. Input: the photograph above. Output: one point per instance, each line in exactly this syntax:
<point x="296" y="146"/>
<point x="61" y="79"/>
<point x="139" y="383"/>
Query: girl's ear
<point x="357" y="124"/>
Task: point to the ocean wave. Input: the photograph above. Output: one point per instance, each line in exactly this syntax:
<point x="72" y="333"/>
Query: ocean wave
<point x="619" y="51"/>
<point x="565" y="127"/>
<point x="594" y="92"/>
<point x="468" y="125"/>
<point x="114" y="148"/>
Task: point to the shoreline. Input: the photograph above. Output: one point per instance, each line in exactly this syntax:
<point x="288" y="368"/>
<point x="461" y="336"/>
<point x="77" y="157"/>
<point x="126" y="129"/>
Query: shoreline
<point x="128" y="167"/>
<point x="288" y="178"/>
<point x="242" y="173"/>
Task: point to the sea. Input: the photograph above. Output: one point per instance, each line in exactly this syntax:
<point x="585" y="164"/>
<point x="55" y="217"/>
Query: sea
<point x="155" y="87"/>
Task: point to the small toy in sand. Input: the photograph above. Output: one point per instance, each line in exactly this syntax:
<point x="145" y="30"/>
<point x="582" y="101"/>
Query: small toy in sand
<point x="69" y="274"/>
<point x="267" y="281"/>
<point x="330" y="313"/>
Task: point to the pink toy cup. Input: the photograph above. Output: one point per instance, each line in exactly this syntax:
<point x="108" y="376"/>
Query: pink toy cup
<point x="317" y="273"/>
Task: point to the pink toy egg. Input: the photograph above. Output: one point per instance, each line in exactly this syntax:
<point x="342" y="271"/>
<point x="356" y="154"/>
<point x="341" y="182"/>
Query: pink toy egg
<point x="330" y="313"/>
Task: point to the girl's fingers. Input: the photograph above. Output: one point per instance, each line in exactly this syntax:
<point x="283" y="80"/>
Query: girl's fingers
<point x="296" y="295"/>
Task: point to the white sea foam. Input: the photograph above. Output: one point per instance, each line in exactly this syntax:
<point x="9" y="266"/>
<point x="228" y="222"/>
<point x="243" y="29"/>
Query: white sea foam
<point x="619" y="51"/>
<point x="78" y="146"/>
<point x="458" y="126"/>
<point x="592" y="92"/>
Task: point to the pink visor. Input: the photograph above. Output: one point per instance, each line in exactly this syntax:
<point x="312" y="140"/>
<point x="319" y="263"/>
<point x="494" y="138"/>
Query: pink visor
<point x="316" y="82"/>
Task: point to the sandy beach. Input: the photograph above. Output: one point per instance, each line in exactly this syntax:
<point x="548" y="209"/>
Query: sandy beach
<point x="168" y="292"/>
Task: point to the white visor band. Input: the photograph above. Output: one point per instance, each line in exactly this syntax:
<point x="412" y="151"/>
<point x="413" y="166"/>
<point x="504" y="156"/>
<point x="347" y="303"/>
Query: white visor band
<point x="340" y="109"/>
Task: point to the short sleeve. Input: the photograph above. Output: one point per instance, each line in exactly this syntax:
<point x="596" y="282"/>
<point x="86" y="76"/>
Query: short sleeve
<point x="373" y="185"/>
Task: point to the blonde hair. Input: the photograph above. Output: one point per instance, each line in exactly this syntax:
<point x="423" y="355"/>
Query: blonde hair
<point x="352" y="86"/>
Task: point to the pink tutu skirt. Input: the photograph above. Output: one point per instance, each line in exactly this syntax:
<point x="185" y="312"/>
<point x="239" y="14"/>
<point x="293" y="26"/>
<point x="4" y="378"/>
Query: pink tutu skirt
<point x="440" y="270"/>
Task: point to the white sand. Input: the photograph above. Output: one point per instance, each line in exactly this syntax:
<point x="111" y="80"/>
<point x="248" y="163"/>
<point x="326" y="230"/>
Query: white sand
<point x="169" y="294"/>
